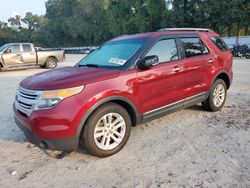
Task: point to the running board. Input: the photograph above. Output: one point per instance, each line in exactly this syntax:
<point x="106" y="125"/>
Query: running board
<point x="20" y="67"/>
<point x="164" y="110"/>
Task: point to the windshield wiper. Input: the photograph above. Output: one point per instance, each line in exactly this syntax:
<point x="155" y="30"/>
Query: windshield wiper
<point x="89" y="65"/>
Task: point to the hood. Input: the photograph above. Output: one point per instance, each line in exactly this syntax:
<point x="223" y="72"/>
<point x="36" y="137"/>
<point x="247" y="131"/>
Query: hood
<point x="67" y="77"/>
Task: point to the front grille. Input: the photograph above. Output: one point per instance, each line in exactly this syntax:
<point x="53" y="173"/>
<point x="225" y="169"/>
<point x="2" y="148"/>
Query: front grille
<point x="26" y="100"/>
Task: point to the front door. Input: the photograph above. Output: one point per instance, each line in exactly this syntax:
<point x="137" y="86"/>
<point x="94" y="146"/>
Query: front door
<point x="162" y="84"/>
<point x="12" y="56"/>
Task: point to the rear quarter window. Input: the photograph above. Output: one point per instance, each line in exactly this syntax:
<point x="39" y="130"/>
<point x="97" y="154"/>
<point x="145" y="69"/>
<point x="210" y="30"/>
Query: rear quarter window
<point x="193" y="46"/>
<point x="219" y="43"/>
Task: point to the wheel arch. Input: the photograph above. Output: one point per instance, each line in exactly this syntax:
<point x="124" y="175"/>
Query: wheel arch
<point x="54" y="57"/>
<point x="224" y="76"/>
<point x="123" y="101"/>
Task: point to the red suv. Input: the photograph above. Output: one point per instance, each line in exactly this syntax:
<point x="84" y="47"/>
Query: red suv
<point x="128" y="80"/>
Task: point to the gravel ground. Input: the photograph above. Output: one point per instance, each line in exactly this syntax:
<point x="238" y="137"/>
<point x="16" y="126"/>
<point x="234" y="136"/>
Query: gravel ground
<point x="189" y="148"/>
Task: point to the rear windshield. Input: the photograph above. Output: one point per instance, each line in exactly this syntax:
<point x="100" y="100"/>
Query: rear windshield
<point x="219" y="43"/>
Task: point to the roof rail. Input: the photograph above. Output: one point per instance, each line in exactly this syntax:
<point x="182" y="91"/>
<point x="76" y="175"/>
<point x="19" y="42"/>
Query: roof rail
<point x="186" y="29"/>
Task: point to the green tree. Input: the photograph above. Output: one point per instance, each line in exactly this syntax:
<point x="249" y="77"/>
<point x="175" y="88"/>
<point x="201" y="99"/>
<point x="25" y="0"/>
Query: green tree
<point x="74" y="22"/>
<point x="34" y="22"/>
<point x="15" y="22"/>
<point x="90" y="22"/>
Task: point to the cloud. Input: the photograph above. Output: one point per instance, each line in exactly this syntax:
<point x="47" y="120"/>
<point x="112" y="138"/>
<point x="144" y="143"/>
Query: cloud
<point x="15" y="13"/>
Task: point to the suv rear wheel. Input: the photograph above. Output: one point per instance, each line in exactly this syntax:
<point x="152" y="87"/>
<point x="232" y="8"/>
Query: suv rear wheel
<point x="107" y="130"/>
<point x="217" y="96"/>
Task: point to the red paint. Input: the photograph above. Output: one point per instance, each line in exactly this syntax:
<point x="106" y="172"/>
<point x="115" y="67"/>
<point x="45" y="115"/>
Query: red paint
<point x="145" y="89"/>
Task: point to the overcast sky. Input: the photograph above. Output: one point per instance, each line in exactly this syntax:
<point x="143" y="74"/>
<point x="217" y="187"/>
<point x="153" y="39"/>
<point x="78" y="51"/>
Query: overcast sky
<point x="13" y="7"/>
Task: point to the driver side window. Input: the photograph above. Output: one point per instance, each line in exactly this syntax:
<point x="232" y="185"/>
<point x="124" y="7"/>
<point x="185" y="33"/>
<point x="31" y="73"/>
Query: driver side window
<point x="166" y="50"/>
<point x="14" y="48"/>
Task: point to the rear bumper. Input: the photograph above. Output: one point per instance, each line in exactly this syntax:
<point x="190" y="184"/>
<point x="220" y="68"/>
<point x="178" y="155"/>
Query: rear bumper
<point x="64" y="144"/>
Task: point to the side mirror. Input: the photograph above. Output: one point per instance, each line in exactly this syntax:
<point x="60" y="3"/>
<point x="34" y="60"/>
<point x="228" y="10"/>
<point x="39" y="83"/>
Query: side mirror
<point x="148" y="61"/>
<point x="7" y="51"/>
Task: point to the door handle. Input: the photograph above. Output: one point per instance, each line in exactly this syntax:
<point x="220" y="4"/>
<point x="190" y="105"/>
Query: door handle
<point x="176" y="69"/>
<point x="18" y="54"/>
<point x="211" y="60"/>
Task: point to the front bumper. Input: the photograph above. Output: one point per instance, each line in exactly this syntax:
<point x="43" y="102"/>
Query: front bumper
<point x="62" y="144"/>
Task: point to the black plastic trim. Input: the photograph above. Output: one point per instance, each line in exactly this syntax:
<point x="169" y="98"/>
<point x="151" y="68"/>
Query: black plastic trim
<point x="216" y="76"/>
<point x="154" y="114"/>
<point x="99" y="103"/>
<point x="64" y="144"/>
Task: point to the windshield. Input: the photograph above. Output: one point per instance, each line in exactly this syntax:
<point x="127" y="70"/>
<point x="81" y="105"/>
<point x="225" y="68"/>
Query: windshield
<point x="113" y="54"/>
<point x="3" y="47"/>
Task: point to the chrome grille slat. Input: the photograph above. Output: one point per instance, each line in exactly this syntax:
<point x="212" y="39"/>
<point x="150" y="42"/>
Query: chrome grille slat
<point x="26" y="99"/>
<point x="24" y="106"/>
<point x="27" y="91"/>
<point x="27" y="96"/>
<point x="24" y="110"/>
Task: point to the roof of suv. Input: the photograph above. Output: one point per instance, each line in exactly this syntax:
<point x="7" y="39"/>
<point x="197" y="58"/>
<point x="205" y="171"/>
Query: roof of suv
<point x="167" y="31"/>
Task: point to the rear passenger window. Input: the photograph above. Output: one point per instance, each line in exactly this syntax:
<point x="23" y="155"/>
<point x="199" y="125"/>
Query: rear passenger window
<point x="27" y="48"/>
<point x="194" y="47"/>
<point x="219" y="43"/>
<point x="166" y="50"/>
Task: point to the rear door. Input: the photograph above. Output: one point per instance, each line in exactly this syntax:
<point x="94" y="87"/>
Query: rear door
<point x="14" y="57"/>
<point x="198" y="59"/>
<point x="28" y="54"/>
<point x="162" y="84"/>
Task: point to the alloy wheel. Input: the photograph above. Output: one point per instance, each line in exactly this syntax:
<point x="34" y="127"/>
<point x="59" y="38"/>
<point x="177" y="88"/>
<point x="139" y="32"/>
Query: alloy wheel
<point x="109" y="131"/>
<point x="219" y="95"/>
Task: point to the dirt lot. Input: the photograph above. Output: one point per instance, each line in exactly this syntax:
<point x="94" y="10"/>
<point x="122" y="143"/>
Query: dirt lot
<point x="189" y="148"/>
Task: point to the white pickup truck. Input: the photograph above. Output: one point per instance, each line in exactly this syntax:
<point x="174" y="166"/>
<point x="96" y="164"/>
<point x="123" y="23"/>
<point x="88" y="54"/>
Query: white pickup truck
<point x="24" y="54"/>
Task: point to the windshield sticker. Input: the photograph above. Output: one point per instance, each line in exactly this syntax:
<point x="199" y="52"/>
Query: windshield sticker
<point x="117" y="61"/>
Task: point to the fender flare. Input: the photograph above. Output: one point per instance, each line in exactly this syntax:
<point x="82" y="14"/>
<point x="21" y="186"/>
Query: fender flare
<point x="99" y="103"/>
<point x="216" y="76"/>
<point x="54" y="57"/>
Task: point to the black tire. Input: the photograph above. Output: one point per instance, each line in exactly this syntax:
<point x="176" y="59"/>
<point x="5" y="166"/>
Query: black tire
<point x="51" y="63"/>
<point x="209" y="104"/>
<point x="87" y="137"/>
<point x="42" y="66"/>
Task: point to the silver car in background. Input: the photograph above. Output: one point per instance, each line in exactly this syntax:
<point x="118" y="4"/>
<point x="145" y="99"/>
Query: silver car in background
<point x="24" y="54"/>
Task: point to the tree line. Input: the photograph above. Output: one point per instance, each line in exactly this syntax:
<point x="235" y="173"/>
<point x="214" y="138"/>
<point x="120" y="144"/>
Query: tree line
<point x="90" y="22"/>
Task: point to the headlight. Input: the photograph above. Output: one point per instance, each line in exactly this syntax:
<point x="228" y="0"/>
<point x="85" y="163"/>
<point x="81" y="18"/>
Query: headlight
<point x="49" y="99"/>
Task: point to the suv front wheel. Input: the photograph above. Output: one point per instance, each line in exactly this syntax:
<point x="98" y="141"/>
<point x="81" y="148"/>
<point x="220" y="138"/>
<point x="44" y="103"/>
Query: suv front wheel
<point x="107" y="130"/>
<point x="217" y="96"/>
